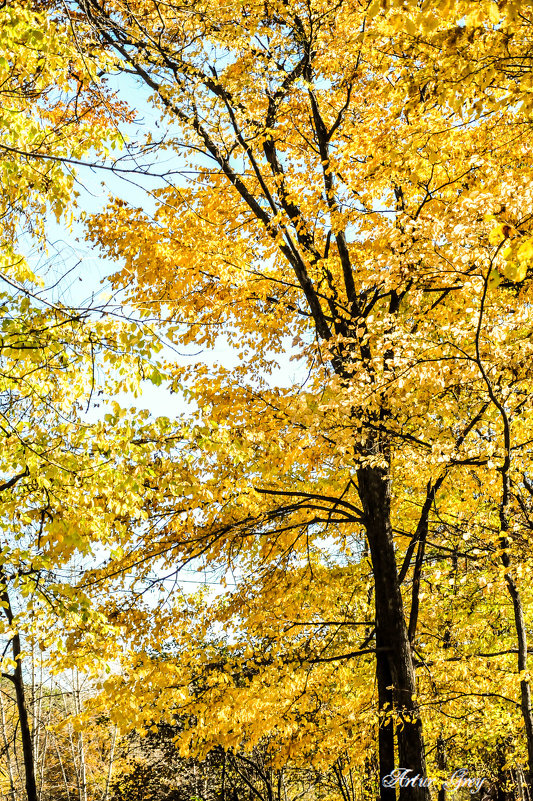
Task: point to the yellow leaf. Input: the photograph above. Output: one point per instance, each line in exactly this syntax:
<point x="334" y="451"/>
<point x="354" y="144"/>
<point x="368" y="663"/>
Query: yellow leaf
<point x="494" y="279"/>
<point x="515" y="271"/>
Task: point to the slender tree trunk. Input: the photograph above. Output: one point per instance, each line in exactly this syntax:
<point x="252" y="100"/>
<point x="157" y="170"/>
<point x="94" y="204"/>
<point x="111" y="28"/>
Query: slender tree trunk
<point x="74" y="754"/>
<point x="505" y="508"/>
<point x="44" y="749"/>
<point x="25" y="731"/>
<point x="110" y="766"/>
<point x="341" y="781"/>
<point x="7" y="749"/>
<point x="33" y="710"/>
<point x="18" y="682"/>
<point x="62" y="767"/>
<point x="521" y="789"/>
<point x="82" y="775"/>
<point x="223" y="780"/>
<point x="391" y="631"/>
<point x="442" y="764"/>
<point x="525" y="687"/>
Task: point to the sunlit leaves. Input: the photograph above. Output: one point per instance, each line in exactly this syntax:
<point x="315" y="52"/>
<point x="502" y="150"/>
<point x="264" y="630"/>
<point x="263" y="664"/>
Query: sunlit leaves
<point x="358" y="196"/>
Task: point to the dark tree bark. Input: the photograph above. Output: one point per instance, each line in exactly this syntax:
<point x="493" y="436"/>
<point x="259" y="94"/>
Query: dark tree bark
<point x="442" y="764"/>
<point x="18" y="682"/>
<point x="391" y="629"/>
<point x="386" y="723"/>
<point x="25" y="731"/>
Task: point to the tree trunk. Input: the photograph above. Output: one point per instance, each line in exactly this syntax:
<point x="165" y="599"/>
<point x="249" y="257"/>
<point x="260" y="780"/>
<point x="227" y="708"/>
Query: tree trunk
<point x="110" y="765"/>
<point x="82" y="772"/>
<point x="25" y="731"/>
<point x="7" y="749"/>
<point x="391" y="634"/>
<point x="525" y="688"/>
<point x="18" y="682"/>
<point x="442" y="764"/>
<point x="386" y="721"/>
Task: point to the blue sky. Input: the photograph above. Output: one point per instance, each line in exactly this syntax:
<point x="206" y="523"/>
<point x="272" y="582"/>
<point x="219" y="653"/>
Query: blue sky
<point x="78" y="273"/>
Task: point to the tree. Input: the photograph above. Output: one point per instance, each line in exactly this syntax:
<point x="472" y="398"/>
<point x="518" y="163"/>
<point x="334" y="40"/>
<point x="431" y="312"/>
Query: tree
<point x="53" y="359"/>
<point x="342" y="204"/>
<point x="69" y="762"/>
<point x="152" y="769"/>
<point x="55" y="112"/>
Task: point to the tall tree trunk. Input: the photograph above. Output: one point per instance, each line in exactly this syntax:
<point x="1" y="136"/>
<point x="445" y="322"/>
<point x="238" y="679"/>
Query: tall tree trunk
<point x="82" y="773"/>
<point x="7" y="749"/>
<point x="505" y="510"/>
<point x="525" y="687"/>
<point x="18" y="682"/>
<point x="386" y="720"/>
<point x="391" y="631"/>
<point x="25" y="731"/>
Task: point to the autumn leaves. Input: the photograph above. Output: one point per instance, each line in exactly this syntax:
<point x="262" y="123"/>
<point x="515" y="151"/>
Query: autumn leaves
<point x="344" y="171"/>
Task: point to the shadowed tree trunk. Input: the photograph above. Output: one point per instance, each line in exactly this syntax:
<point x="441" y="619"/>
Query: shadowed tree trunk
<point x="391" y="633"/>
<point x="18" y="682"/>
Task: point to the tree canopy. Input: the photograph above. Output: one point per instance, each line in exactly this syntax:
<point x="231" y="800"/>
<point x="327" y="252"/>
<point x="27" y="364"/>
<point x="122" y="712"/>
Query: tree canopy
<point x="355" y="210"/>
